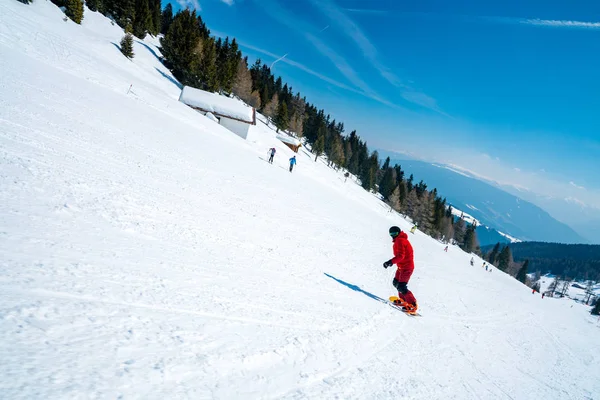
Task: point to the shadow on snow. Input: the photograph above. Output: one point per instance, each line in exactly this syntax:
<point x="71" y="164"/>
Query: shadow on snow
<point x="356" y="288"/>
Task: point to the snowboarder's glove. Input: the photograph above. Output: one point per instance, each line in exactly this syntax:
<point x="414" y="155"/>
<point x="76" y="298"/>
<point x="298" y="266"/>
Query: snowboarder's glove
<point x="388" y="263"/>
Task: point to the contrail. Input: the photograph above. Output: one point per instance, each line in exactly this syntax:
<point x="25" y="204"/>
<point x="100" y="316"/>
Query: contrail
<point x="324" y="29"/>
<point x="279" y="59"/>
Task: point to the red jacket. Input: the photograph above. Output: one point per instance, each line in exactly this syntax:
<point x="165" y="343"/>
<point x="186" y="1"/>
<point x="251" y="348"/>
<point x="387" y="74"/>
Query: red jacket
<point x="403" y="253"/>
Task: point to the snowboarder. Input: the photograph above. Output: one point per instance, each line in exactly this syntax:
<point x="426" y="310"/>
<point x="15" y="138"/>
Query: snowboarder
<point x="271" y="154"/>
<point x="403" y="258"/>
<point x="292" y="163"/>
<point x="446" y="249"/>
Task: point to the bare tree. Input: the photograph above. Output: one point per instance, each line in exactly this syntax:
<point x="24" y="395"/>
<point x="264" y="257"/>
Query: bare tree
<point x="553" y="286"/>
<point x="589" y="291"/>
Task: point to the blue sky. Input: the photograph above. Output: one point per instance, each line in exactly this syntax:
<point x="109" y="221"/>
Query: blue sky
<point x="509" y="90"/>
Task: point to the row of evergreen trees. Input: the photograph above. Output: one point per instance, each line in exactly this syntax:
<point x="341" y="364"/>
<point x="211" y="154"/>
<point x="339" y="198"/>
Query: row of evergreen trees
<point x="195" y="58"/>
<point x="503" y="259"/>
<point x="199" y="60"/>
<point x="139" y="17"/>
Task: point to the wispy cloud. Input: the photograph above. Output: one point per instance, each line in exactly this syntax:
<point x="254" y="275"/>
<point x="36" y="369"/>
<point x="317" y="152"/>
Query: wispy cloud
<point x="560" y="23"/>
<point x="575" y="201"/>
<point x="306" y="69"/>
<point x="550" y="23"/>
<point x="192" y="4"/>
<point x="365" y="11"/>
<point x="303" y="28"/>
<point x="576" y="185"/>
<point x="228" y="2"/>
<point x="353" y="31"/>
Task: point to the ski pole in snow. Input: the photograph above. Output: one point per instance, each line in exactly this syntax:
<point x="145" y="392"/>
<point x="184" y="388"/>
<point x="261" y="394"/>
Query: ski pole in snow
<point x="129" y="90"/>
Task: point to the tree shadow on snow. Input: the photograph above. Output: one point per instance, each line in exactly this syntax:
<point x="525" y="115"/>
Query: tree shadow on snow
<point x="170" y="78"/>
<point x="116" y="45"/>
<point x="150" y="49"/>
<point x="356" y="288"/>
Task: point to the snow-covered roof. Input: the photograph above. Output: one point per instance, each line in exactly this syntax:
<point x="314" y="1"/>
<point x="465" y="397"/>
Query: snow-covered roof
<point x="218" y="105"/>
<point x="289" y="140"/>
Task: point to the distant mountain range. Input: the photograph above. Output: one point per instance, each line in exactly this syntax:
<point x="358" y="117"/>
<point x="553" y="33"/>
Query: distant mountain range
<point x="492" y="206"/>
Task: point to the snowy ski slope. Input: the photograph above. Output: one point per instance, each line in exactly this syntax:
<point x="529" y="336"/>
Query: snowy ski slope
<point x="148" y="253"/>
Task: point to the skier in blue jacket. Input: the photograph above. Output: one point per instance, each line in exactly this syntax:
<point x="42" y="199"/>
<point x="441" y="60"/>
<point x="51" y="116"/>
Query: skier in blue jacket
<point x="292" y="163"/>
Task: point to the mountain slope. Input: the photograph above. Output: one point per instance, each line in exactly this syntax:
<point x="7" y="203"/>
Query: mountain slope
<point x="492" y="206"/>
<point x="147" y="252"/>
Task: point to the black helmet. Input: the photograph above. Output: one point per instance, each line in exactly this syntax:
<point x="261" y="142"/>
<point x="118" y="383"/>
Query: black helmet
<point x="394" y="231"/>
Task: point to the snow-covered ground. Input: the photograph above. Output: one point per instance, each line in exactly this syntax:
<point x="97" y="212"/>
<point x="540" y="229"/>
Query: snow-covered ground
<point x="469" y="219"/>
<point x="147" y="252"/>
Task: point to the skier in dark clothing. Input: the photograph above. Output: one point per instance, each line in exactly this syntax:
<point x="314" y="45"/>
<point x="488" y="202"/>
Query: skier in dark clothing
<point x="271" y="154"/>
<point x="292" y="163"/>
<point x="403" y="258"/>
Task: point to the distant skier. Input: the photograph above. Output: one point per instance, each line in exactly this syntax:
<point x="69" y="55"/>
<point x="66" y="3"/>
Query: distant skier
<point x="403" y="258"/>
<point x="292" y="163"/>
<point x="446" y="249"/>
<point x="272" y="152"/>
<point x="486" y="266"/>
<point x="413" y="229"/>
<point x="543" y="294"/>
<point x="472" y="261"/>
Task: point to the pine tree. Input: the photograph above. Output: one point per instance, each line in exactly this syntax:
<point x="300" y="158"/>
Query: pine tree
<point x="337" y="151"/>
<point x="127" y="45"/>
<point x="470" y="239"/>
<point x="166" y="19"/>
<point x="93" y="5"/>
<point x="208" y="66"/>
<point x="505" y="259"/>
<point x="522" y="275"/>
<point x="179" y="46"/>
<point x="493" y="256"/>
<point x="156" y="12"/>
<point x="74" y="10"/>
<point x="386" y="164"/>
<point x="388" y="181"/>
<point x="282" y="119"/>
<point x="369" y="171"/>
<point x="319" y="145"/>
<point x="123" y="11"/>
<point x="142" y="21"/>
<point x="460" y="229"/>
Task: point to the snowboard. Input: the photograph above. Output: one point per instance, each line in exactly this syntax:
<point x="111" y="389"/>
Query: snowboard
<point x="393" y="298"/>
